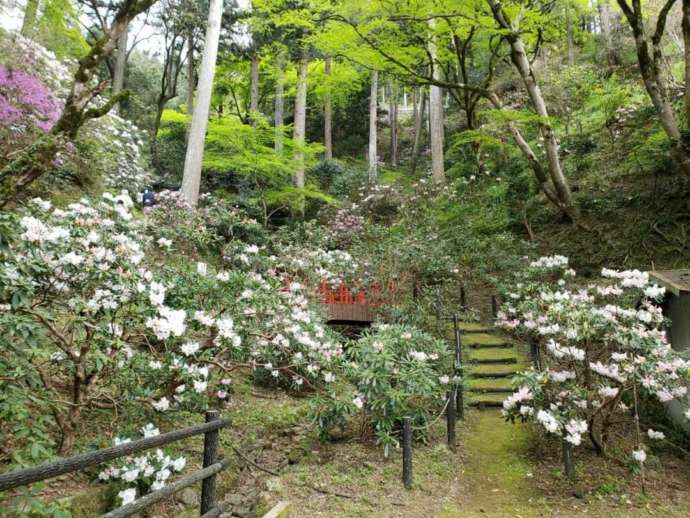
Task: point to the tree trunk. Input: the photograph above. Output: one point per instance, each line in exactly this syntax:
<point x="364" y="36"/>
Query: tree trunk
<point x="606" y="23"/>
<point x="36" y="159"/>
<point x="279" y="103"/>
<point x="686" y="55"/>
<point x="418" y="127"/>
<point x="569" y="30"/>
<point x="373" y="126"/>
<point x="393" y="121"/>
<point x="30" y="15"/>
<point x="191" y="179"/>
<point x="254" y="89"/>
<point x="328" y="115"/>
<point x="652" y="75"/>
<point x="521" y="62"/>
<point x="120" y="64"/>
<point x="438" y="172"/>
<point x="190" y="75"/>
<point x="299" y="131"/>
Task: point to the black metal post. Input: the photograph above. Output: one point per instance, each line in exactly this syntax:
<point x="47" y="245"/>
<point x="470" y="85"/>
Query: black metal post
<point x="459" y="396"/>
<point x="463" y="299"/>
<point x="208" y="485"/>
<point x="450" y="419"/>
<point x="407" y="452"/>
<point x="568" y="463"/>
<point x="494" y="307"/>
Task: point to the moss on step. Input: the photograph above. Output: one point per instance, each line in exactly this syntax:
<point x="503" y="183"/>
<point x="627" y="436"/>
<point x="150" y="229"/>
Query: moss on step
<point x="473" y="397"/>
<point x="490" y="354"/>
<point x="476" y="327"/>
<point x="483" y="339"/>
<point x="483" y="383"/>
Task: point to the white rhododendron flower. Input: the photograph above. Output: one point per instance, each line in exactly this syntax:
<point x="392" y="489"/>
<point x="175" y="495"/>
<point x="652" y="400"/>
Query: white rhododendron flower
<point x="161" y="405"/>
<point x="639" y="455"/>
<point x="653" y="434"/>
<point x="127" y="496"/>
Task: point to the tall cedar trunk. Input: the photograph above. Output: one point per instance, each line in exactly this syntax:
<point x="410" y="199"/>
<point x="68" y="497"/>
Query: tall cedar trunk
<point x="418" y="126"/>
<point x="606" y="23"/>
<point x="120" y="63"/>
<point x="393" y="120"/>
<point x="373" y="119"/>
<point x="190" y="75"/>
<point x="191" y="179"/>
<point x="30" y="14"/>
<point x="686" y="54"/>
<point x="35" y="160"/>
<point x="279" y="103"/>
<point x="438" y="172"/>
<point x="651" y="69"/>
<point x="299" y="131"/>
<point x="570" y="31"/>
<point x="254" y="88"/>
<point x="328" y="115"/>
<point x="519" y="58"/>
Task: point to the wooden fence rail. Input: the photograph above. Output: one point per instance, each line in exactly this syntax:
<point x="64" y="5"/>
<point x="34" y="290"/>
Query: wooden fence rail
<point x="211" y="466"/>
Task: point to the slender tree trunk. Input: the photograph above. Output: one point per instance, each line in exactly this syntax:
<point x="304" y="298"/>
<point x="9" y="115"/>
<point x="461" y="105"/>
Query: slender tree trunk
<point x="606" y="22"/>
<point x="35" y="160"/>
<point x="438" y="172"/>
<point x="254" y="88"/>
<point x="299" y="131"/>
<point x="120" y="64"/>
<point x="686" y="55"/>
<point x="570" y="36"/>
<point x="418" y="127"/>
<point x="651" y="69"/>
<point x="373" y="126"/>
<point x="30" y="15"/>
<point x="191" y="180"/>
<point x="393" y="121"/>
<point x="328" y="115"/>
<point x="279" y="103"/>
<point x="190" y="75"/>
<point x="521" y="62"/>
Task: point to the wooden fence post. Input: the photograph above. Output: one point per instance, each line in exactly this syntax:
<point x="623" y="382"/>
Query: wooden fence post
<point x="568" y="463"/>
<point x="208" y="485"/>
<point x="494" y="307"/>
<point x="463" y="299"/>
<point x="450" y="419"/>
<point x="459" y="396"/>
<point x="407" y="452"/>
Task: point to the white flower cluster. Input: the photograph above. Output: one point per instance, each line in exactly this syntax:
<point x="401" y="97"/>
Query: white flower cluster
<point x="152" y="470"/>
<point x="550" y="262"/>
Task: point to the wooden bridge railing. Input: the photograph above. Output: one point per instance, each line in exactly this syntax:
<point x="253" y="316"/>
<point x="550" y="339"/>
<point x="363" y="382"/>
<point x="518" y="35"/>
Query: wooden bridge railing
<point x="212" y="465"/>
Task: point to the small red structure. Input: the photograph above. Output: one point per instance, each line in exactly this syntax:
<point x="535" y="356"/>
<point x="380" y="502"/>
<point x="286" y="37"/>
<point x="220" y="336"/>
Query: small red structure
<point x="346" y="303"/>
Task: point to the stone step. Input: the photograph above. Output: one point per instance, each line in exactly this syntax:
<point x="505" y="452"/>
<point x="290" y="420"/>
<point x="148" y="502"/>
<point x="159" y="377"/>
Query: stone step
<point x="482" y="339"/>
<point x="489" y="361"/>
<point x="486" y="404"/>
<point x="500" y="345"/>
<point x="489" y="383"/>
<point x="474" y="327"/>
<point x="496" y="374"/>
<point x="491" y="390"/>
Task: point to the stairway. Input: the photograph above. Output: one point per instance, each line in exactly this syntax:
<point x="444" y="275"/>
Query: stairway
<point x="490" y="361"/>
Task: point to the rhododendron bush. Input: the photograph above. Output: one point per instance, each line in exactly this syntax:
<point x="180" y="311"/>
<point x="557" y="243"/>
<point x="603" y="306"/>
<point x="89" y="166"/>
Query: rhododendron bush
<point x="391" y="372"/>
<point x="33" y="88"/>
<point x="601" y="347"/>
<point x="95" y="322"/>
